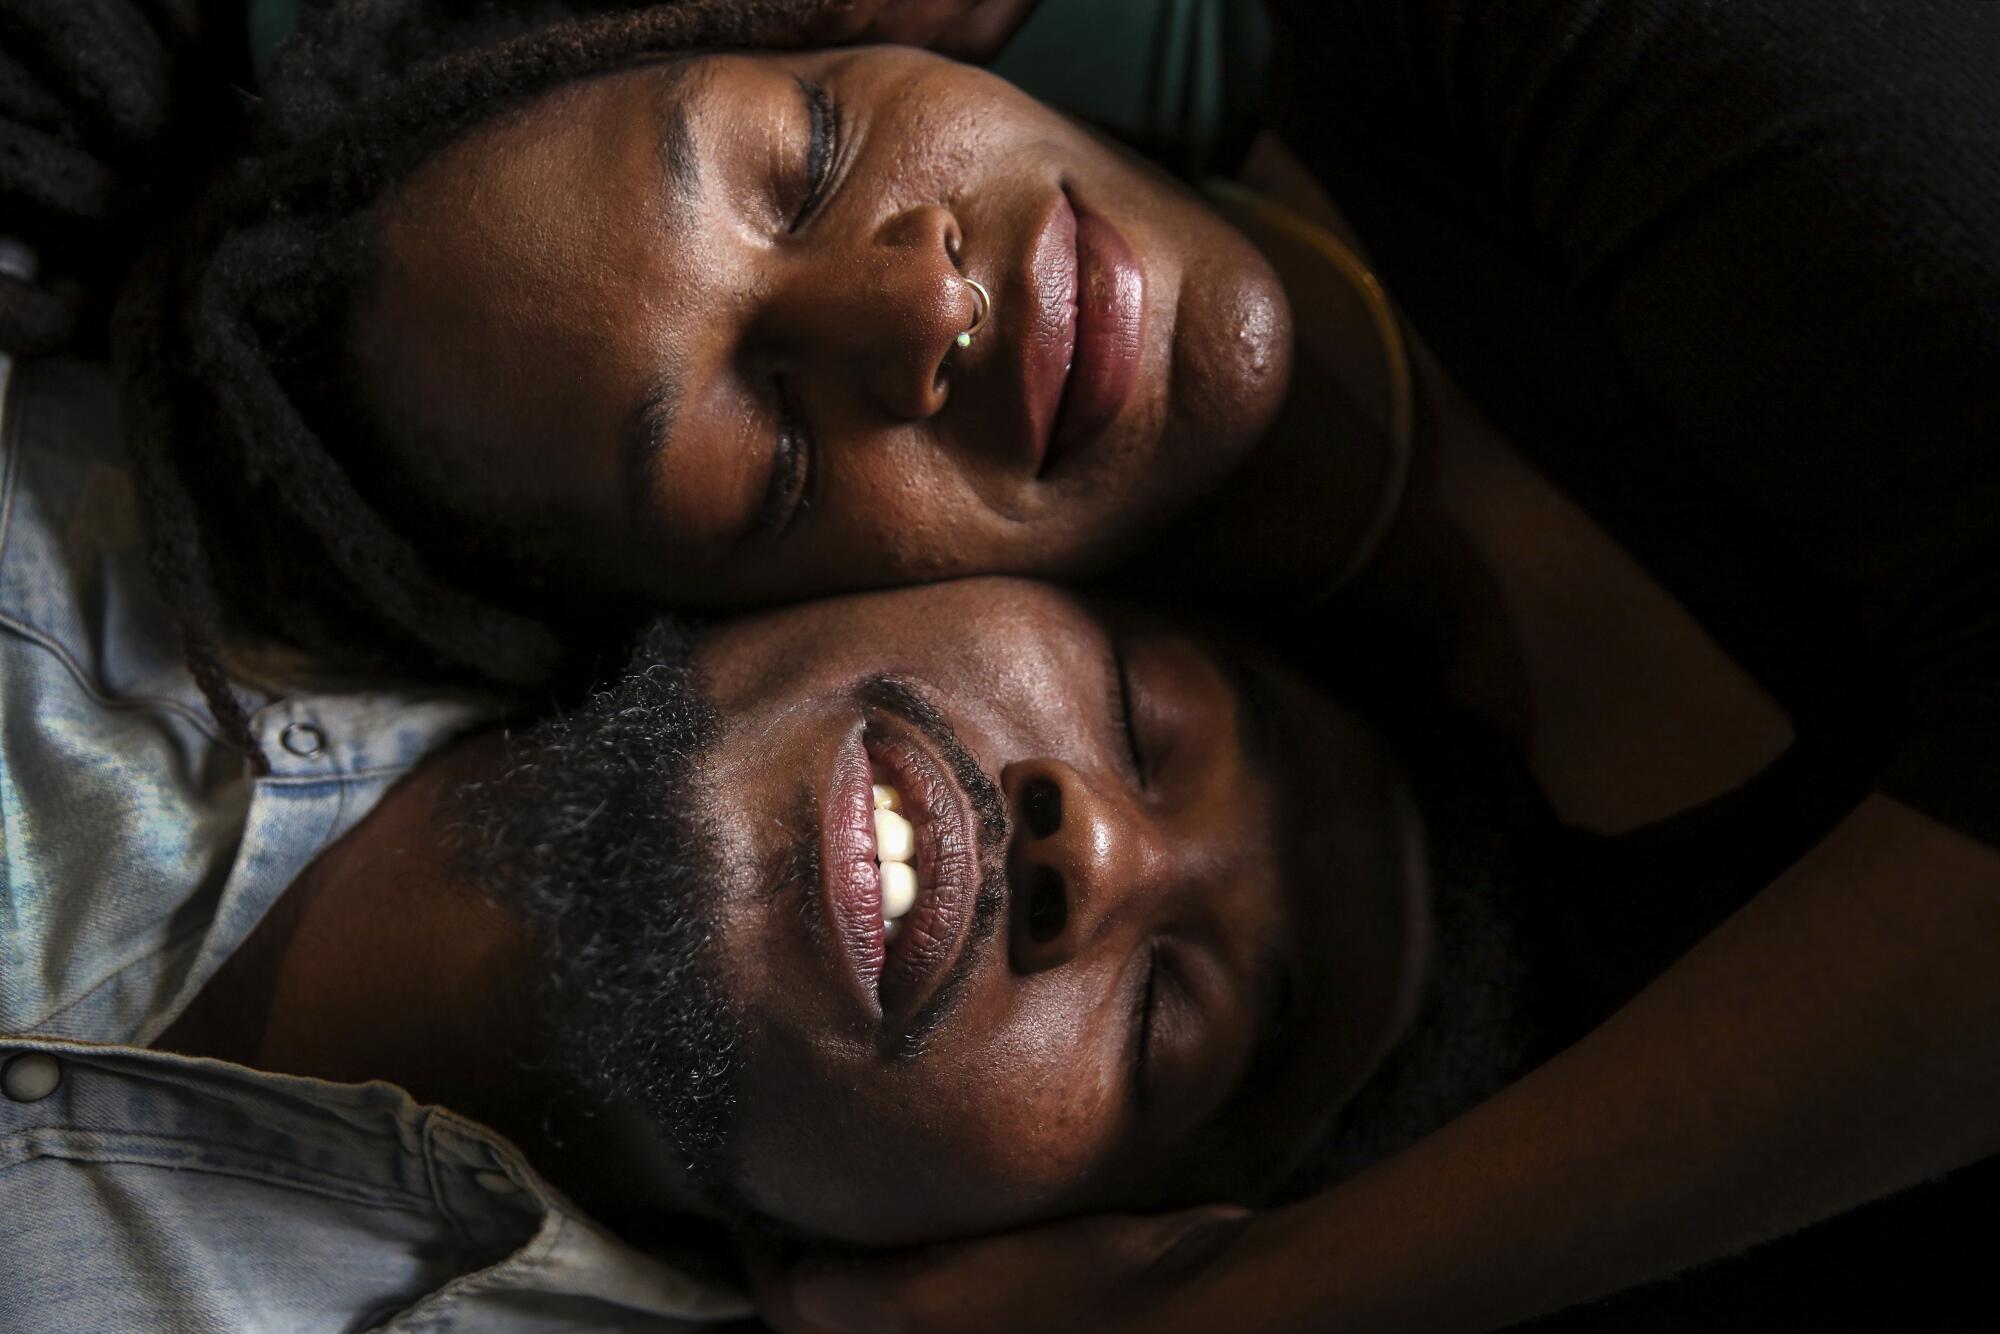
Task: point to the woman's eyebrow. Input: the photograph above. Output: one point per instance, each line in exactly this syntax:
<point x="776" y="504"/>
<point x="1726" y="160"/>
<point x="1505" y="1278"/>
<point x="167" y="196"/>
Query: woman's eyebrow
<point x="680" y="161"/>
<point x="644" y="446"/>
<point x="651" y="424"/>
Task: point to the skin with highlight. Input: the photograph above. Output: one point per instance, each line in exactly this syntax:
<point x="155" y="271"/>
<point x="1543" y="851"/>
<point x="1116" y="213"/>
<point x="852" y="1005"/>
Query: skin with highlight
<point x="1246" y="861"/>
<point x="1242" y="935"/>
<point x="767" y="250"/>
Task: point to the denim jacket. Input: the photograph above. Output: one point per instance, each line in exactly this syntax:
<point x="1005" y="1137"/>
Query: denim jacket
<point x="146" y="1191"/>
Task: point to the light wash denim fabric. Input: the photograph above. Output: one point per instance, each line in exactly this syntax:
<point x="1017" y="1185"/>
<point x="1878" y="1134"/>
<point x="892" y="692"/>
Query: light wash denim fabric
<point x="136" y="850"/>
<point x="150" y="1192"/>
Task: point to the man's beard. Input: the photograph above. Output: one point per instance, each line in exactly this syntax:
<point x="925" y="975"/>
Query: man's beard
<point x="596" y="839"/>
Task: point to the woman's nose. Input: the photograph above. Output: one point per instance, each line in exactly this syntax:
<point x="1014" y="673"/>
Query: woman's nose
<point x="1084" y="862"/>
<point x="882" y="315"/>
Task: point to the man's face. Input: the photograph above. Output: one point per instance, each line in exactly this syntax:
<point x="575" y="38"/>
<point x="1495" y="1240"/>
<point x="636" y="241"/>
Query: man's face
<point x="1161" y="927"/>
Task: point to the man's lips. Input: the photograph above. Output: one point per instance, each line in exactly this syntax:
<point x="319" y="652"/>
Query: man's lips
<point x="851" y="887"/>
<point x="895" y="978"/>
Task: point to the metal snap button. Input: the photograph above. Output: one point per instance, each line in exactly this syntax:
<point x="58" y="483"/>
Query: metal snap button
<point x="18" y="260"/>
<point x="302" y="739"/>
<point x="30" y="1077"/>
<point x="497" y="1182"/>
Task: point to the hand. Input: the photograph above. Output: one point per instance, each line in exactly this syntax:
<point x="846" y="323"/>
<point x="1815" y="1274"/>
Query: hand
<point x="1111" y="1274"/>
<point x="965" y="29"/>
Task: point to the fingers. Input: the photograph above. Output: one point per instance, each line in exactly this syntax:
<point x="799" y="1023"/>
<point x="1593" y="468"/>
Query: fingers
<point x="964" y="29"/>
<point x="772" y="1289"/>
<point x="982" y="28"/>
<point x="1100" y="1275"/>
<point x="840" y="22"/>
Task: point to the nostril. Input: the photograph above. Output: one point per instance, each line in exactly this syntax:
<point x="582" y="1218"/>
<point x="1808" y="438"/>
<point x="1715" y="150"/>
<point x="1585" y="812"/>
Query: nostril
<point x="1048" y="905"/>
<point x="1041" y="807"/>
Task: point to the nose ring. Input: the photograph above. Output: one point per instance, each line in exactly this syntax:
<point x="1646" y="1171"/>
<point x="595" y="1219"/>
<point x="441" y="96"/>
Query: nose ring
<point x="982" y="306"/>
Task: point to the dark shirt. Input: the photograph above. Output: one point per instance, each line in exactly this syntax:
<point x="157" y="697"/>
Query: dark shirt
<point x="1729" y="274"/>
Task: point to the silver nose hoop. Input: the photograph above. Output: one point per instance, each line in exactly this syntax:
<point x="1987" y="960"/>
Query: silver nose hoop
<point x="982" y="306"/>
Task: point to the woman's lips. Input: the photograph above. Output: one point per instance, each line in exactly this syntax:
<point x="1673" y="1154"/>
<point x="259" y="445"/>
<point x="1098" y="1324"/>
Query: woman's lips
<point x="1049" y="339"/>
<point x="1110" y="304"/>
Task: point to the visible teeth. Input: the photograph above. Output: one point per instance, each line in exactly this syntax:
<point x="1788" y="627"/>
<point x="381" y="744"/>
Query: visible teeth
<point x="895" y="841"/>
<point x="899" y="889"/>
<point x="895" y="844"/>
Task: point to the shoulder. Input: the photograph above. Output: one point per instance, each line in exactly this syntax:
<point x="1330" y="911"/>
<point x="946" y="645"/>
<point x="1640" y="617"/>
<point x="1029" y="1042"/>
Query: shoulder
<point x="73" y="580"/>
<point x="103" y="752"/>
<point x="175" y="1193"/>
<point x="138" y="850"/>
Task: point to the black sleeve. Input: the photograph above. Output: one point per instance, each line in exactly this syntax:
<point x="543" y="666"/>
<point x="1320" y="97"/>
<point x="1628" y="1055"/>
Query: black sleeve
<point x="1773" y="225"/>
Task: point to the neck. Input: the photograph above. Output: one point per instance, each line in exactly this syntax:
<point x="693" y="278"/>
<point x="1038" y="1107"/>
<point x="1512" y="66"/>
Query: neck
<point x="1436" y="585"/>
<point x="382" y="963"/>
<point x="392" y="968"/>
<point x="1309" y="504"/>
<point x="1526" y="614"/>
<point x="1306" y="504"/>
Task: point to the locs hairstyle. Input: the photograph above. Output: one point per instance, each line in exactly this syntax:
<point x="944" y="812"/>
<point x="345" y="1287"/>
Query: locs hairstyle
<point x="595" y="838"/>
<point x="262" y="507"/>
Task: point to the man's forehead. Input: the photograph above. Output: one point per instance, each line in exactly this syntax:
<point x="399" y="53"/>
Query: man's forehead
<point x="982" y="633"/>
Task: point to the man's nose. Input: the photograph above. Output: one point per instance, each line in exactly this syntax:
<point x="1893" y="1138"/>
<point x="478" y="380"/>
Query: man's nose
<point x="1085" y="862"/>
<point x="884" y="315"/>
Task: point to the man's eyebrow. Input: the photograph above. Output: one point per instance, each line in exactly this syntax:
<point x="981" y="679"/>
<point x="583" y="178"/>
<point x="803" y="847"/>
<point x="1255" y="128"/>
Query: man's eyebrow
<point x="1273" y="1002"/>
<point x="1258" y="709"/>
<point x="1273" y="992"/>
<point x="651" y="424"/>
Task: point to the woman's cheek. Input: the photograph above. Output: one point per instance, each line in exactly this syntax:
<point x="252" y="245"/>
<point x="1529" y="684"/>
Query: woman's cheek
<point x="908" y="518"/>
<point x="1233" y="351"/>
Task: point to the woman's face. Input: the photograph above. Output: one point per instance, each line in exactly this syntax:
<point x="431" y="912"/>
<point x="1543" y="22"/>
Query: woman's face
<point x="691" y="331"/>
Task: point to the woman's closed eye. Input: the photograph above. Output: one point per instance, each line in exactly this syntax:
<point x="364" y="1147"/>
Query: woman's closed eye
<point x="822" y="150"/>
<point x="785" y="492"/>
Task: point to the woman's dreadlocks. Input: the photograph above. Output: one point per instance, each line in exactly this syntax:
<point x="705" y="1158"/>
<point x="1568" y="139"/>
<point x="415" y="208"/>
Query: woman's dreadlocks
<point x="226" y="338"/>
<point x="92" y="92"/>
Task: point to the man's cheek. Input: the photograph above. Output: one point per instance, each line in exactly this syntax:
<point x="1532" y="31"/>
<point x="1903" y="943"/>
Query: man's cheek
<point x="896" y="1154"/>
<point x="1053" y="1110"/>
